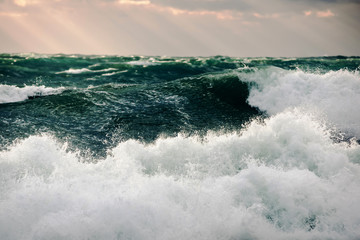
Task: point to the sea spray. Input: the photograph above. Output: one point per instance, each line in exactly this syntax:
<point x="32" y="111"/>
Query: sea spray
<point x="267" y="181"/>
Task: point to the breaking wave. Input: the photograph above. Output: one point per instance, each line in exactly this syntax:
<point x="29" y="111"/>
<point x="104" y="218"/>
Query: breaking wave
<point x="333" y="94"/>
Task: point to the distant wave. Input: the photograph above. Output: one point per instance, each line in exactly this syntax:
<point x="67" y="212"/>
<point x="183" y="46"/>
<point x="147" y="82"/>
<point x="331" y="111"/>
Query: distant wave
<point x="9" y="94"/>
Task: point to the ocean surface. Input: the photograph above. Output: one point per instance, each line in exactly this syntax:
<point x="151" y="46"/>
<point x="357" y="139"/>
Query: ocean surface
<point x="112" y="147"/>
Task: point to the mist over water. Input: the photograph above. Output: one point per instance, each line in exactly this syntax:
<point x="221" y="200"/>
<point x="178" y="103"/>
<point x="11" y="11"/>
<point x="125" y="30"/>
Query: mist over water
<point x="101" y="147"/>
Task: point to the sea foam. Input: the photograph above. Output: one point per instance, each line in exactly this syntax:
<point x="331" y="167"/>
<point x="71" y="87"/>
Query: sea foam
<point x="283" y="178"/>
<point x="10" y="93"/>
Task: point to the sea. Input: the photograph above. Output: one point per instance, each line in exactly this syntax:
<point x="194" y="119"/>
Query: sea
<point x="154" y="147"/>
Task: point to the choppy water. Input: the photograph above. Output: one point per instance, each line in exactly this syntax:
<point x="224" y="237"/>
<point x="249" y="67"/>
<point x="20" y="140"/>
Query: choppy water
<point x="109" y="147"/>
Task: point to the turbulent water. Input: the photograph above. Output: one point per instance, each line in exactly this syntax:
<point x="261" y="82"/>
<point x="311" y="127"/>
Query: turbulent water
<point x="111" y="147"/>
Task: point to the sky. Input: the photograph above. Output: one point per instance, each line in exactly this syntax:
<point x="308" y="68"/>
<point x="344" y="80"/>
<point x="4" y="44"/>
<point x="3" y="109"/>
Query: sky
<point x="239" y="28"/>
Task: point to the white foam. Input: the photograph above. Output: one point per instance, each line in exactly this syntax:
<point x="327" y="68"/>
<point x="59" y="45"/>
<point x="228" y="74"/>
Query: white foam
<point x="142" y="63"/>
<point x="281" y="179"/>
<point x="84" y="70"/>
<point x="334" y="94"/>
<point x="113" y="73"/>
<point x="10" y="93"/>
<point x="75" y="71"/>
<point x="106" y="70"/>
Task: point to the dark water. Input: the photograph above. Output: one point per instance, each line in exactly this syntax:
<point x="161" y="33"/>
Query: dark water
<point x="98" y="101"/>
<point x="227" y="148"/>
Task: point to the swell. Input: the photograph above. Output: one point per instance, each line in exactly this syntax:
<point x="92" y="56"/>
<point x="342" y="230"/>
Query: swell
<point x="81" y="71"/>
<point x="97" y="117"/>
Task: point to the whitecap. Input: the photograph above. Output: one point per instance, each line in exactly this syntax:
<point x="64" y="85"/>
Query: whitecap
<point x="9" y="93"/>
<point x="142" y="63"/>
<point x="75" y="71"/>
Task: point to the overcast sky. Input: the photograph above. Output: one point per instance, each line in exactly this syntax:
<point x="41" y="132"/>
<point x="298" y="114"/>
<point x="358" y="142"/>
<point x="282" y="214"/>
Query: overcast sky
<point x="244" y="28"/>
